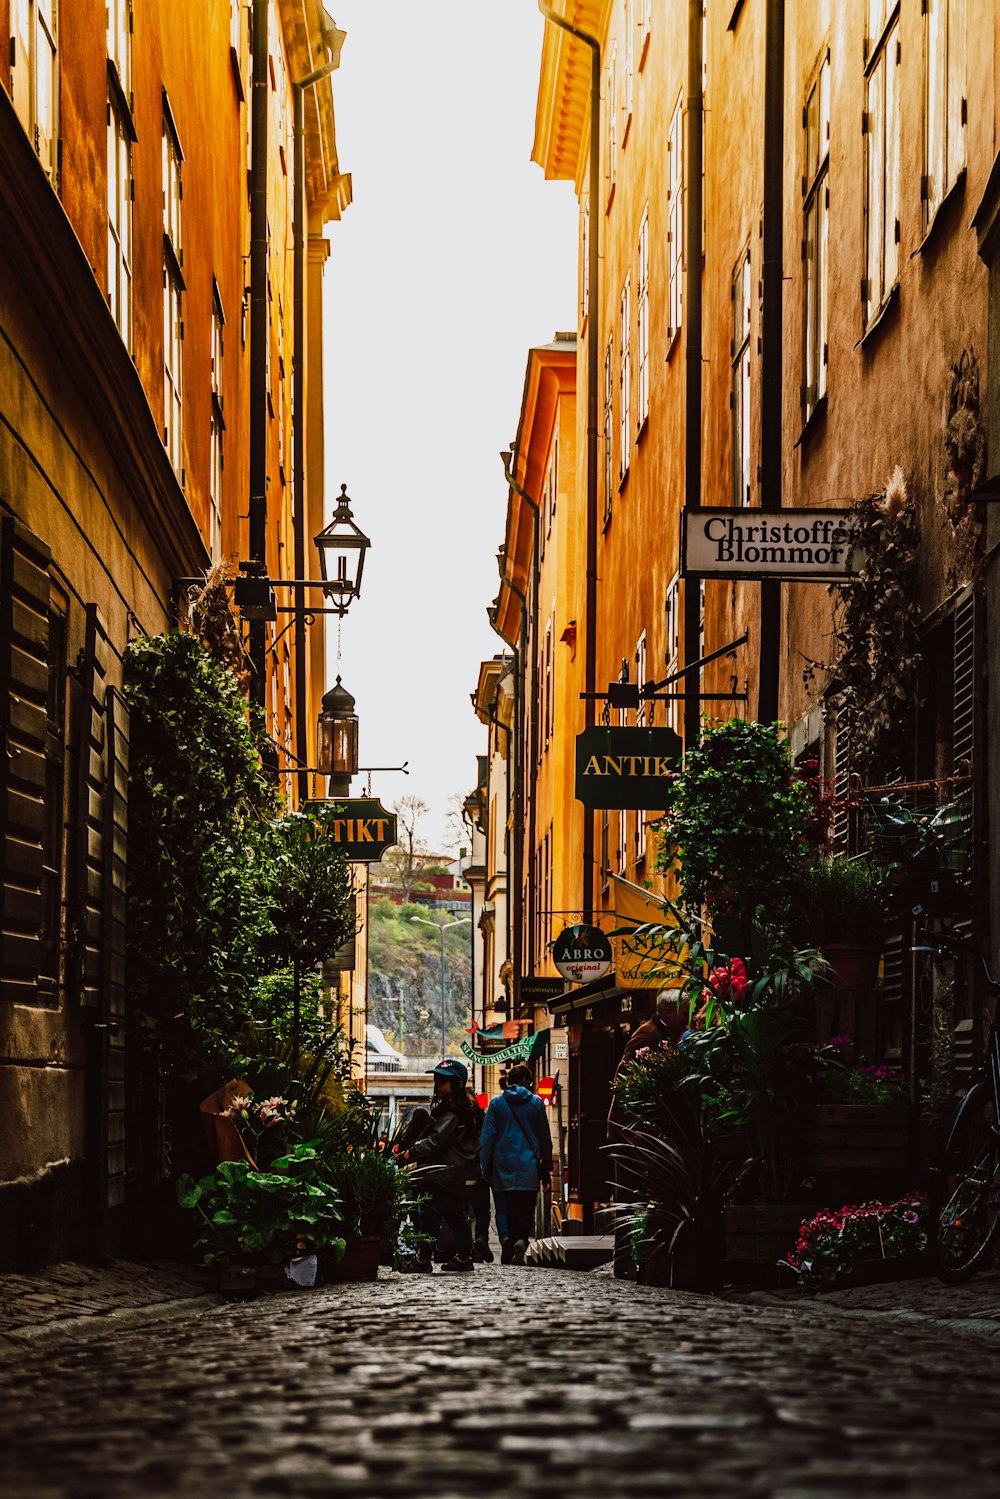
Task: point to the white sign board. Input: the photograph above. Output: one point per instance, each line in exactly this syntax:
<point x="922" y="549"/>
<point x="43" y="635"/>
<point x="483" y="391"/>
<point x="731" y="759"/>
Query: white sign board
<point x="802" y="546"/>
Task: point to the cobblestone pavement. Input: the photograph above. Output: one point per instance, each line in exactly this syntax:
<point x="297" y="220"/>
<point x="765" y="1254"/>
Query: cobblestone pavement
<point x="508" y="1382"/>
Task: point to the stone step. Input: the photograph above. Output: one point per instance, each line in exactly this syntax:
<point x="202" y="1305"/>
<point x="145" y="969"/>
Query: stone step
<point x="578" y="1252"/>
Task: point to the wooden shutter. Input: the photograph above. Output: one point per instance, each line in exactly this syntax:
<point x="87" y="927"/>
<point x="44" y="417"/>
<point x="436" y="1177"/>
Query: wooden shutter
<point x="24" y="684"/>
<point x="113" y="989"/>
<point x="91" y="778"/>
<point x="841" y="829"/>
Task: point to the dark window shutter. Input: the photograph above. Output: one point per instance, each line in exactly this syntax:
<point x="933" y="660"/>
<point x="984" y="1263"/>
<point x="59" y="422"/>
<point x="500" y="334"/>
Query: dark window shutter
<point x="91" y="776"/>
<point x="24" y="687"/>
<point x="965" y="653"/>
<point x="113" y="987"/>
<point x="841" y="831"/>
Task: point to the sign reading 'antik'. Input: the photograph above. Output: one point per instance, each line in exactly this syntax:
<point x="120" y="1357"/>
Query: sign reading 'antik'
<point x="363" y="830"/>
<point x="802" y="546"/>
<point x="625" y="768"/>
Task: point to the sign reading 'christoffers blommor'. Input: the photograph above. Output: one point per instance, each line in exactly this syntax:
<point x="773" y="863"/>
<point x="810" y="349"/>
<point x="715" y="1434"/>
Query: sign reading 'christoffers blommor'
<point x="625" y="768"/>
<point x="802" y="546"/>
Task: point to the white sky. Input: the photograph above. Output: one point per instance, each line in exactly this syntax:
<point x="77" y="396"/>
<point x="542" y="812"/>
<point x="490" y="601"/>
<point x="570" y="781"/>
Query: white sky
<point x="454" y="258"/>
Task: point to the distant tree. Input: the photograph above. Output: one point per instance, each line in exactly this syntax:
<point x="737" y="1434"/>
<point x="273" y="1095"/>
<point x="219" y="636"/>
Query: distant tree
<point x="404" y="862"/>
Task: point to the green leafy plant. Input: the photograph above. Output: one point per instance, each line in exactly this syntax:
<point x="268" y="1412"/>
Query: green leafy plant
<point x="832" y="1245"/>
<point x="734" y="831"/>
<point x="839" y="902"/>
<point x="248" y="1215"/>
<point x="374" y="1192"/>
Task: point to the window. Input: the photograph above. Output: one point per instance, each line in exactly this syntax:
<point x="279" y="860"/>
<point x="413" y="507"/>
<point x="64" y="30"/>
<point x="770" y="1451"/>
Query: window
<point x="218" y="427"/>
<point x="624" y="378"/>
<point x="547" y="713"/>
<point x="881" y="131"/>
<point x="34" y="83"/>
<point x="642" y="26"/>
<point x="554" y="475"/>
<point x="816" y="235"/>
<point x="120" y="216"/>
<point x="642" y="326"/>
<point x="605" y="848"/>
<point x="611" y="143"/>
<point x="675" y="221"/>
<point x="672" y="623"/>
<point x="640" y="677"/>
<point x="629" y="91"/>
<point x="944" y="101"/>
<point x="740" y="392"/>
<point x="609" y="366"/>
<point x="585" y="276"/>
<point x="622" y="842"/>
<point x="54" y="815"/>
<point x="119" y="15"/>
<point x="173" y="292"/>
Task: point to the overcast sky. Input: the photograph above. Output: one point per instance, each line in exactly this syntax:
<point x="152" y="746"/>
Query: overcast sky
<point x="454" y="258"/>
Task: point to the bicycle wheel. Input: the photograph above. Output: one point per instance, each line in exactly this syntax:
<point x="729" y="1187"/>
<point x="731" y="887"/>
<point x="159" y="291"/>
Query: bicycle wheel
<point x="966" y="1204"/>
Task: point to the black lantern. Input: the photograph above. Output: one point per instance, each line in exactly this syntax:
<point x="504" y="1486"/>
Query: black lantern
<point x="337" y="739"/>
<point x="342" y="547"/>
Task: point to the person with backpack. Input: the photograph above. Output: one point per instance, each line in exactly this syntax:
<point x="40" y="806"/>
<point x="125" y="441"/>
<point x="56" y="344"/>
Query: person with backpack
<point x="516" y="1156"/>
<point x="446" y="1157"/>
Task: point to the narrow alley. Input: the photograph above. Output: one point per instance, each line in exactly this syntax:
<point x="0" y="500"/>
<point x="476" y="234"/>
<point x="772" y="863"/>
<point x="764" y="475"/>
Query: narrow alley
<point x="460" y="1385"/>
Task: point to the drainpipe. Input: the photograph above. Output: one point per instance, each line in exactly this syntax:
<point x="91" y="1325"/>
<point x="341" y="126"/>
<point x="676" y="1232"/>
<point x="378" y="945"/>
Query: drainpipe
<point x="593" y="322"/>
<point x="299" y="403"/>
<point x="770" y="364"/>
<point x="692" y="349"/>
<point x="532" y="768"/>
<point x="511" y="880"/>
<point x="517" y="739"/>
<point x="259" y="334"/>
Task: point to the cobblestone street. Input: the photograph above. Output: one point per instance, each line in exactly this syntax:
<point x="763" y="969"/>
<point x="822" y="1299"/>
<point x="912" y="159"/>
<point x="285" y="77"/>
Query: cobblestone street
<point x="507" y="1382"/>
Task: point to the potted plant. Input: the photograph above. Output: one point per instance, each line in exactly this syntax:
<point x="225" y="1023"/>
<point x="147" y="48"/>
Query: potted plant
<point x="374" y="1197"/>
<point x="870" y="1242"/>
<point x="839" y="909"/>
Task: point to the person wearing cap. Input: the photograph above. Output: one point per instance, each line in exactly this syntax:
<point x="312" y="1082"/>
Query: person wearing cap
<point x="447" y="1160"/>
<point x="516" y="1156"/>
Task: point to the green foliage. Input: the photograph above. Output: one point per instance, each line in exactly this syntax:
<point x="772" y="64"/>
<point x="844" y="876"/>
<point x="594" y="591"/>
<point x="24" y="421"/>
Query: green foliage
<point x="839" y="902"/>
<point x="199" y="811"/>
<point x="373" y="1191"/>
<point x="272" y="1004"/>
<point x="311" y="904"/>
<point x="261" y="1215"/>
<point x="834" y="1243"/>
<point x="735" y="827"/>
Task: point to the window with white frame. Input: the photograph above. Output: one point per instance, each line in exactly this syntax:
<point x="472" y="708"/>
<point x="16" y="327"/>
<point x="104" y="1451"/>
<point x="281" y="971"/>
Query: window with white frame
<point x="642" y="326"/>
<point x="629" y="90"/>
<point x="672" y="628"/>
<point x="609" y="379"/>
<point x="739" y="397"/>
<point x="675" y="221"/>
<point x="119" y="14"/>
<point x="944" y="100"/>
<point x="642" y="28"/>
<point x="623" y="841"/>
<point x="611" y="139"/>
<point x="34" y="76"/>
<point x="881" y="135"/>
<point x="640" y="677"/>
<point x="548" y="724"/>
<point x="605" y="847"/>
<point x="816" y="235"/>
<point x="585" y="268"/>
<point x="218" y="427"/>
<point x="173" y="294"/>
<point x="554" y="475"/>
<point x="625" y="378"/>
<point x="120" y="216"/>
<point x="236" y="26"/>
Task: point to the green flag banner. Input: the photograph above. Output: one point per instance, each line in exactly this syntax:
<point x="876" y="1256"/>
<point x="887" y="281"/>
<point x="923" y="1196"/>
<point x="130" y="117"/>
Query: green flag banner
<point x="520" y="1051"/>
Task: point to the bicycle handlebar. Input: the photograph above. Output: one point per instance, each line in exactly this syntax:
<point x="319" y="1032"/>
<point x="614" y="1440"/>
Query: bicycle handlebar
<point x="955" y="946"/>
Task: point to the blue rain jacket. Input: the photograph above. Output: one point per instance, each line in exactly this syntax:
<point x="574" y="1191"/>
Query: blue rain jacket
<point x="515" y="1148"/>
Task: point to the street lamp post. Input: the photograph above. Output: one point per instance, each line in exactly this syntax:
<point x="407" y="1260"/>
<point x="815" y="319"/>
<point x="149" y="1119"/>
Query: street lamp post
<point x="441" y="927"/>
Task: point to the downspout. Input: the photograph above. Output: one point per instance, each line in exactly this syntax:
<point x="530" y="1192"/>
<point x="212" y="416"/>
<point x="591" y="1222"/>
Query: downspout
<point x="517" y="924"/>
<point x="511" y="882"/>
<point x="771" y="363"/>
<point x="593" y="328"/>
<point x="692" y="349"/>
<point x="299" y="403"/>
<point x="259" y="334"/>
<point x="532" y="768"/>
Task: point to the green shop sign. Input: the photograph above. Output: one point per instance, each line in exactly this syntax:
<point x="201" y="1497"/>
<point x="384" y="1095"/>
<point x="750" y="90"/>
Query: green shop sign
<point x="625" y="767"/>
<point x="362" y="829"/>
<point x="520" y="1051"/>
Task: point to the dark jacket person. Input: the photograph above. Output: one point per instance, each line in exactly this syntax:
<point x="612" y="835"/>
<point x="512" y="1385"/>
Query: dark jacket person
<point x="447" y="1159"/>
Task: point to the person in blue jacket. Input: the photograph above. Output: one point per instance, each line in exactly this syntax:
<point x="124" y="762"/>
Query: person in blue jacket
<point x="515" y="1154"/>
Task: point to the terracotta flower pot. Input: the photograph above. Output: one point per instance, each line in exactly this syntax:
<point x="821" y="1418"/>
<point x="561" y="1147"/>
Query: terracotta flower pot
<point x="360" y="1262"/>
<point x="852" y="966"/>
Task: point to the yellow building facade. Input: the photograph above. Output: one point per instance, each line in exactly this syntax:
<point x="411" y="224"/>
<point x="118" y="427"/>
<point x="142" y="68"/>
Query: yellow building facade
<point x="126" y="380"/>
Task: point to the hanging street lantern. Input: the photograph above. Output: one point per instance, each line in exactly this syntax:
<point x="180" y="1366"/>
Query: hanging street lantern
<point x="337" y="740"/>
<point x="342" y="547"/>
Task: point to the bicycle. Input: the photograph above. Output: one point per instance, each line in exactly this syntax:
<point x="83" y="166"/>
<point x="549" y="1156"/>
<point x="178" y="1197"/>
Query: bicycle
<point x="965" y="1196"/>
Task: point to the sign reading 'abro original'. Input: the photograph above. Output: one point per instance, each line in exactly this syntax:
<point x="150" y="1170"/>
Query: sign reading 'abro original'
<point x="802" y="546"/>
<point x="625" y="768"/>
<point x="582" y="953"/>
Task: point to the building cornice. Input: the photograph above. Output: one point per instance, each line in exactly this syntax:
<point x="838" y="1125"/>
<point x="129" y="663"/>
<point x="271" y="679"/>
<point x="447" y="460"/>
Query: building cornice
<point x="562" y="110"/>
<point x="328" y="190"/>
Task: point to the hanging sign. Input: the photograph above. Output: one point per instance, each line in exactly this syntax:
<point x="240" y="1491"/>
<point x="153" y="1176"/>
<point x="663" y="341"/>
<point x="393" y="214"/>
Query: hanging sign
<point x="582" y="953"/>
<point x="521" y="1051"/>
<point x="539" y="991"/>
<point x="800" y="546"/>
<point x="363" y="829"/>
<point x="625" y="768"/>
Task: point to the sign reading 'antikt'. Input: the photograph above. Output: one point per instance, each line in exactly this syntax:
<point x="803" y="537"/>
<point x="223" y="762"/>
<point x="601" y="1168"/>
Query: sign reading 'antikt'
<point x="362" y="829"/>
<point x="625" y="768"/>
<point x="804" y="546"/>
